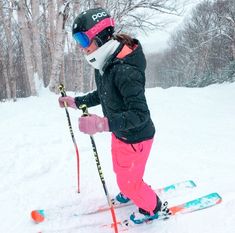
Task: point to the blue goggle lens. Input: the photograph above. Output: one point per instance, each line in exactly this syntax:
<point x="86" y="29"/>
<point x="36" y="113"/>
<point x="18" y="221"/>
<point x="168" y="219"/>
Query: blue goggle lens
<point x="82" y="39"/>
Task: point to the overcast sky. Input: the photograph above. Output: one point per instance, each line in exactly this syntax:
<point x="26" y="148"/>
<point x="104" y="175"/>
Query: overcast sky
<point x="157" y="40"/>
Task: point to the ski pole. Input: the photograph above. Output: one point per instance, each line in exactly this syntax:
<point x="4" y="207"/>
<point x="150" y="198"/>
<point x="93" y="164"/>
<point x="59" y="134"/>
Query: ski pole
<point x="84" y="109"/>
<point x="63" y="93"/>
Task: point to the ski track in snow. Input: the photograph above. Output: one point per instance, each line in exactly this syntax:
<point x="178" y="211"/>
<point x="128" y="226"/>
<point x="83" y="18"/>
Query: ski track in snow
<point x="194" y="140"/>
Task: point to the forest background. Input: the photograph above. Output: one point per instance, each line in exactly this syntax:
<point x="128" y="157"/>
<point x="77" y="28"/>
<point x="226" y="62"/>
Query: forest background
<point x="37" y="50"/>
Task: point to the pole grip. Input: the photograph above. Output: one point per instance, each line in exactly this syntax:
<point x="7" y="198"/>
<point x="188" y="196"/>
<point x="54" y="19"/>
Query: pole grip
<point x="62" y="90"/>
<point x="84" y="109"/>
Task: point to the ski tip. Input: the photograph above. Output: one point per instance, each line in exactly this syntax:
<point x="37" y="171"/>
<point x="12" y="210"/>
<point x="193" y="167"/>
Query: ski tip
<point x="38" y="216"/>
<point x="217" y="197"/>
<point x="193" y="184"/>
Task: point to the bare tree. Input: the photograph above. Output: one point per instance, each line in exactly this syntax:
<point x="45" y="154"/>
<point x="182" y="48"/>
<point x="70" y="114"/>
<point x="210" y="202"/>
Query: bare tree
<point x="52" y="27"/>
<point x="7" y="73"/>
<point x="41" y="50"/>
<point x="59" y="45"/>
<point x="225" y="15"/>
<point x="141" y="14"/>
<point x="27" y="45"/>
<point x="36" y="40"/>
<point x="203" y="52"/>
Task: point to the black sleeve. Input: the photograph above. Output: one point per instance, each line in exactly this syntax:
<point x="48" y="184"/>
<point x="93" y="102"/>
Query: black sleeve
<point x="131" y="84"/>
<point x="91" y="99"/>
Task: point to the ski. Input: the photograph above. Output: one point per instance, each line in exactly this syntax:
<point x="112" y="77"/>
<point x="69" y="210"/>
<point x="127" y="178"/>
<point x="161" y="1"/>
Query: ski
<point x="166" y="192"/>
<point x="197" y="204"/>
<point x="169" y="191"/>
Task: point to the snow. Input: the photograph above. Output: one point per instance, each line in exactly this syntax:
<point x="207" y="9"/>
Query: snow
<point x="194" y="140"/>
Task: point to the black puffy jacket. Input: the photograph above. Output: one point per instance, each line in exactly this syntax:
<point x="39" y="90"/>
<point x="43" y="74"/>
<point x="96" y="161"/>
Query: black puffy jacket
<point x="121" y="93"/>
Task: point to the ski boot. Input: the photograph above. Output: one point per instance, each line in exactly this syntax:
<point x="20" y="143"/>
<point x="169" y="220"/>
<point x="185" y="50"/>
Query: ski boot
<point x="144" y="216"/>
<point x="120" y="199"/>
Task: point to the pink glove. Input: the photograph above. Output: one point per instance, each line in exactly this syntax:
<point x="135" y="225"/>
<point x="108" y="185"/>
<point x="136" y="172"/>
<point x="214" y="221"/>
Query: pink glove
<point x="70" y="101"/>
<point x="92" y="124"/>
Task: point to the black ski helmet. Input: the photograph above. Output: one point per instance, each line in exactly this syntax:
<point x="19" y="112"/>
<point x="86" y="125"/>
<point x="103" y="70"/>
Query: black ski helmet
<point x="94" y="24"/>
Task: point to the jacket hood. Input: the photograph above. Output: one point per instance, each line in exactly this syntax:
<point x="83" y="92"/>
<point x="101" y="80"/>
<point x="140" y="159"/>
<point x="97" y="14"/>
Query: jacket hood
<point x="134" y="57"/>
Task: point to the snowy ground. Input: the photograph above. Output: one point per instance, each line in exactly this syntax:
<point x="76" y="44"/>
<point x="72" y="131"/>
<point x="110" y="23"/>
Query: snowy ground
<point x="194" y="140"/>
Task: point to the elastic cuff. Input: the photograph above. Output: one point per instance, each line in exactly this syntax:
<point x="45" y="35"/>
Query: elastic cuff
<point x="106" y="124"/>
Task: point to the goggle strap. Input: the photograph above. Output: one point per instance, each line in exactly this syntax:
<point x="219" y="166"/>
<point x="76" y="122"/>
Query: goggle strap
<point x="92" y="32"/>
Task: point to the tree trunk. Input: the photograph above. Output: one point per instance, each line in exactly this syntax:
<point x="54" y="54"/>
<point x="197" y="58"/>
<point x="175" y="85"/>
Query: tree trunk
<point x="6" y="73"/>
<point x="6" y="82"/>
<point x="58" y="55"/>
<point x="27" y="46"/>
<point x="79" y="81"/>
<point x="51" y="29"/>
<point x="37" y="41"/>
<point x="10" y="51"/>
<point x="233" y="42"/>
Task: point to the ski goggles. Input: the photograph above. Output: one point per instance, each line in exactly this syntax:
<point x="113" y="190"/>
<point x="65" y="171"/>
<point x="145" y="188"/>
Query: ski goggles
<point x="84" y="39"/>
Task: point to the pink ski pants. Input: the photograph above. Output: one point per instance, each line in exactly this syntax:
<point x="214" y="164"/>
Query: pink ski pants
<point x="129" y="162"/>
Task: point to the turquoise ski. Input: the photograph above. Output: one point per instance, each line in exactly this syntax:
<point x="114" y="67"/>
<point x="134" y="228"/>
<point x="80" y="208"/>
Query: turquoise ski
<point x="166" y="192"/>
<point x="39" y="215"/>
<point x="197" y="204"/>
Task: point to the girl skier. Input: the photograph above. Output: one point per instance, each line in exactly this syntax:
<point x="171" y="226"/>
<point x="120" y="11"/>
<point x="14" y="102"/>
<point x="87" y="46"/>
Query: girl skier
<point x="119" y="65"/>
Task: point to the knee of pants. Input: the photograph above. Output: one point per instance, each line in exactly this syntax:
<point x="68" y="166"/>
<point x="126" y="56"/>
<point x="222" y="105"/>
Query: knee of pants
<point x="128" y="186"/>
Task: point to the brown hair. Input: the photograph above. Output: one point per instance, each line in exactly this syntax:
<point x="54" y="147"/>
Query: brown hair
<point x="125" y="39"/>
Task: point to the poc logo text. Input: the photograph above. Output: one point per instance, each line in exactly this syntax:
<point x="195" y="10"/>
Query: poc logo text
<point x="99" y="15"/>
